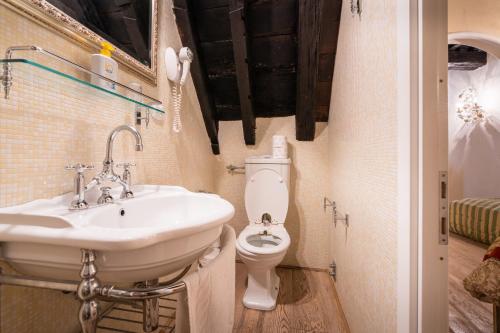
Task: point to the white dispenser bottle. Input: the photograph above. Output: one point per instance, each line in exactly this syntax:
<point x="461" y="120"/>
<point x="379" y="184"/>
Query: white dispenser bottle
<point x="104" y="65"/>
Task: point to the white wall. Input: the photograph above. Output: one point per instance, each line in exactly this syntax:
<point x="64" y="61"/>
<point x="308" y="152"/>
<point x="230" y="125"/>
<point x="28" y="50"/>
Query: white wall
<point x="474" y="157"/>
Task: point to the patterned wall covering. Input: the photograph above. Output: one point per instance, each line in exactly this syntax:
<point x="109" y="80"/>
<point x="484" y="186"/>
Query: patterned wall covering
<point x="363" y="165"/>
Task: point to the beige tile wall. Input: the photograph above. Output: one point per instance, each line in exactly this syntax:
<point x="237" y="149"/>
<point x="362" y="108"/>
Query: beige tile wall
<point x="48" y="124"/>
<point x="306" y="222"/>
<point x="363" y="165"/>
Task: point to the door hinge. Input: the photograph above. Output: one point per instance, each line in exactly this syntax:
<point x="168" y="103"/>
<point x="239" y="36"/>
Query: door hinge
<point x="443" y="208"/>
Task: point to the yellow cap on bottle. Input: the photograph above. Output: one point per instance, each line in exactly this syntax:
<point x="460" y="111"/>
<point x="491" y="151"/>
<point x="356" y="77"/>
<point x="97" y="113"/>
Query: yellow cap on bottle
<point x="107" y="49"/>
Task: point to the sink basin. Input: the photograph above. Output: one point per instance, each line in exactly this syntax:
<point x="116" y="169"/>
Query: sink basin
<point x="161" y="230"/>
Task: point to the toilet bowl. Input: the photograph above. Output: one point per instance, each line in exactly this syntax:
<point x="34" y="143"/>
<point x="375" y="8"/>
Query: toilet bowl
<point x="261" y="249"/>
<point x="262" y="245"/>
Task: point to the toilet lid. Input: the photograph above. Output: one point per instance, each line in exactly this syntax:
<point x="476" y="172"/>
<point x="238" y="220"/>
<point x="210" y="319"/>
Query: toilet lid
<point x="266" y="192"/>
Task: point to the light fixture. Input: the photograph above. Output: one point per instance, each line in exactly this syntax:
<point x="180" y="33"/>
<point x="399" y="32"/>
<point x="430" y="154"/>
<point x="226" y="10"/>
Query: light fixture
<point x="467" y="107"/>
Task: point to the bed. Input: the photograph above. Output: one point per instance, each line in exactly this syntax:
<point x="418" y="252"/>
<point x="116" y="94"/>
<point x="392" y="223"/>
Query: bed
<point x="483" y="282"/>
<point x="476" y="218"/>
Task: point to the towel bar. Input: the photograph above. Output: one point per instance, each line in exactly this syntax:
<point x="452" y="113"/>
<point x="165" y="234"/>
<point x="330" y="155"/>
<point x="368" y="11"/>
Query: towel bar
<point x="232" y="169"/>
<point x="140" y="294"/>
<point x="328" y="203"/>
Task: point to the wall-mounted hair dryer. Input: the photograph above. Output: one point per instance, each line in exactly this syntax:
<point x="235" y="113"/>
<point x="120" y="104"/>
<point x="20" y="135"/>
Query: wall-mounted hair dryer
<point x="177" y="71"/>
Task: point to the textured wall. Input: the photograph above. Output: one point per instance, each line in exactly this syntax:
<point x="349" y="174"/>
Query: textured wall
<point x="473" y="148"/>
<point x="41" y="132"/>
<point x="476" y="16"/>
<point x="306" y="222"/>
<point x="469" y="144"/>
<point x="363" y="166"/>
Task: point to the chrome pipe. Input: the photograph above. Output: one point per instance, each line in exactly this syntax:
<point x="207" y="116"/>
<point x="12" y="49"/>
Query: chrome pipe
<point x="110" y="292"/>
<point x="21" y="281"/>
<point x="106" y="293"/>
<point x="176" y="278"/>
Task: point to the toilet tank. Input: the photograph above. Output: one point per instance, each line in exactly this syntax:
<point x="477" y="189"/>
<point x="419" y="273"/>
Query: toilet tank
<point x="281" y="166"/>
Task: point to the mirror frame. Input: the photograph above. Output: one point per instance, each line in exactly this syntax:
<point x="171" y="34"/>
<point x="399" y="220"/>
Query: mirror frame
<point x="47" y="15"/>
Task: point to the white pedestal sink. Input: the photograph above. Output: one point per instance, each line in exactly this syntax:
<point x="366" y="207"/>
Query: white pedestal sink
<point x="161" y="230"/>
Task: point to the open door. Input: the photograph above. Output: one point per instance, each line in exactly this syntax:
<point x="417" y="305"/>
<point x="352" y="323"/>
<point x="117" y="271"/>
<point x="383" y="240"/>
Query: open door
<point x="433" y="166"/>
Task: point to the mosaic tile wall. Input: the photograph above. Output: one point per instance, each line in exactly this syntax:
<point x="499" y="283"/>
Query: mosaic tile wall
<point x="48" y="123"/>
<point x="363" y="165"/>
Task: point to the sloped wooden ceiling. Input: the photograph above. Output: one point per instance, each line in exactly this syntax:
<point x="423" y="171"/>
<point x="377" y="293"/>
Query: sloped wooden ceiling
<point x="261" y="58"/>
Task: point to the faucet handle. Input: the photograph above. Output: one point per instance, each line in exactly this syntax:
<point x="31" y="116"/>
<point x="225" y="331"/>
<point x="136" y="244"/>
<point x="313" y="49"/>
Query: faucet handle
<point x="79" y="167"/>
<point x="126" y="165"/>
<point x="126" y="179"/>
<point x="79" y="184"/>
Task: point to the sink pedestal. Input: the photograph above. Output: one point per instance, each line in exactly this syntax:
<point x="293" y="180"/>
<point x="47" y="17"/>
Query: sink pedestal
<point x="150" y="308"/>
<point x="87" y="292"/>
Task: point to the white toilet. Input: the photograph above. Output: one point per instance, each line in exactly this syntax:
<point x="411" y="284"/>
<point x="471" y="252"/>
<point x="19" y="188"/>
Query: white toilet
<point x="262" y="245"/>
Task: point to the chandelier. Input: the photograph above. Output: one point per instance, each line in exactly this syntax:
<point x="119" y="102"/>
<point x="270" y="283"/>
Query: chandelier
<point x="468" y="109"/>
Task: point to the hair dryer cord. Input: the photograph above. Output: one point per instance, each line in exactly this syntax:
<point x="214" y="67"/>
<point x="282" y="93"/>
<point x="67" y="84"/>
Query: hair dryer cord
<point x="177" y="104"/>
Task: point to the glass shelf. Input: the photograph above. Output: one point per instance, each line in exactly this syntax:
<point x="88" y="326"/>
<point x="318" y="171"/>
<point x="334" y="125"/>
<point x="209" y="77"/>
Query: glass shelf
<point x="24" y="70"/>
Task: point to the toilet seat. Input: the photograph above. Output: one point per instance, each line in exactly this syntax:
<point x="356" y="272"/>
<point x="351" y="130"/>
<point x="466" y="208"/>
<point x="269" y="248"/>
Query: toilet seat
<point x="275" y="231"/>
<point x="266" y="192"/>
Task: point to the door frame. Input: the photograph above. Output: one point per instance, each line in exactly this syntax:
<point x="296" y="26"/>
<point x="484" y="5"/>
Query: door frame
<point x="422" y="290"/>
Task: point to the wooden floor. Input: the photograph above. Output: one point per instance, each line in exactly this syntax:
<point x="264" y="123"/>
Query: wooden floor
<point x="307" y="302"/>
<point x="467" y="314"/>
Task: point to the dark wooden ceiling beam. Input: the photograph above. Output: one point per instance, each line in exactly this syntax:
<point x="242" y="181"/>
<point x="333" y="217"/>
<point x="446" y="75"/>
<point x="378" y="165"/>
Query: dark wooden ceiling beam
<point x="465" y="58"/>
<point x="308" y="31"/>
<point x="186" y="26"/>
<point x="328" y="38"/>
<point x="240" y="50"/>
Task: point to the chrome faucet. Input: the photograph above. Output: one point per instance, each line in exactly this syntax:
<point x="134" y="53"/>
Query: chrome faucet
<point x="79" y="200"/>
<point x="108" y="173"/>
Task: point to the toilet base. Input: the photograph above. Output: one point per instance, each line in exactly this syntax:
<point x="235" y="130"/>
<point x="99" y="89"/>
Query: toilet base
<point x="262" y="290"/>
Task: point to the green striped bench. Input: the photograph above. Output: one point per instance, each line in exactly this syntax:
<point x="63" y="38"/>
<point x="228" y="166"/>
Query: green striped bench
<point x="476" y="219"/>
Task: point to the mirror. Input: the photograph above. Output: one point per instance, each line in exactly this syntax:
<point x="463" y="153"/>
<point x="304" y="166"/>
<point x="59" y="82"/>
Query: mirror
<point x="130" y="25"/>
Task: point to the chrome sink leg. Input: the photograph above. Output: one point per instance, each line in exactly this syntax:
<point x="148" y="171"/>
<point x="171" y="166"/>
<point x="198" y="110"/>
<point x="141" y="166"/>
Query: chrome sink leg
<point x="151" y="308"/>
<point x="87" y="292"/>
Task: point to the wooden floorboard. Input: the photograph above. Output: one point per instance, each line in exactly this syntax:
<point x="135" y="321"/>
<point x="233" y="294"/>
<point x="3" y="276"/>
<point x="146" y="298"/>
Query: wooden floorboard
<point x="307" y="302"/>
<point x="467" y="314"/>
